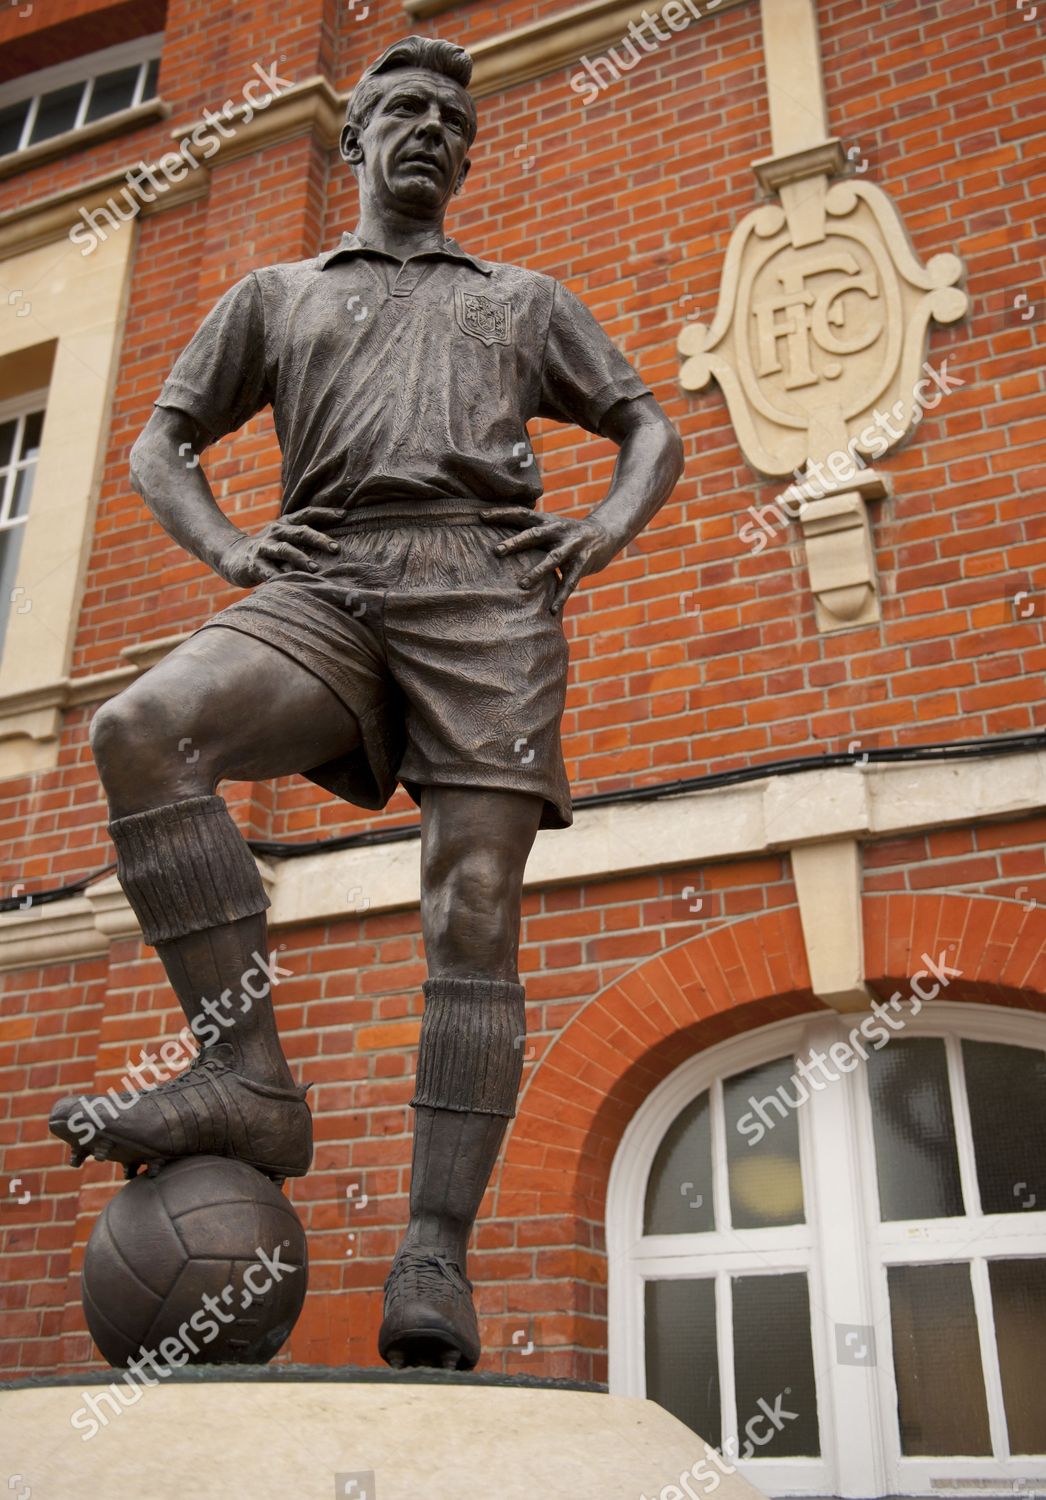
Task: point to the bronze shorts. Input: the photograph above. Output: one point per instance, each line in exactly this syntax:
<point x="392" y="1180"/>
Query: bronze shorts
<point x="455" y="675"/>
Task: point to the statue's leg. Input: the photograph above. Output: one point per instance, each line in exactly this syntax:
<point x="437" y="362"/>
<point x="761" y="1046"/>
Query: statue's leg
<point x="475" y="844"/>
<point x="223" y="705"/>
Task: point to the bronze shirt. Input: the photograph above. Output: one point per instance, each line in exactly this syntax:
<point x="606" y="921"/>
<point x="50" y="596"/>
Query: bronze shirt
<point x="393" y="380"/>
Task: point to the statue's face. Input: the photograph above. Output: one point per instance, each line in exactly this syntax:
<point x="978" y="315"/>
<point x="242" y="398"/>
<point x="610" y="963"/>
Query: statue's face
<point x="415" y="145"/>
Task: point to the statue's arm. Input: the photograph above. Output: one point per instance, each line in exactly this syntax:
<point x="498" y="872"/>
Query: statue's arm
<point x="219" y="381"/>
<point x="647" y="470"/>
<point x="167" y="473"/>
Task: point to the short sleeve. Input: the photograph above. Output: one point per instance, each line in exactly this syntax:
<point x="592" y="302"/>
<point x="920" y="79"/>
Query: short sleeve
<point x="220" y="376"/>
<point x="584" y="374"/>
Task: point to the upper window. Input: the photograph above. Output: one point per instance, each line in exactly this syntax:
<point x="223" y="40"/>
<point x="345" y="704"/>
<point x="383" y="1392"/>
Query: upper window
<point x="835" y="1271"/>
<point x="21" y="424"/>
<point x="72" y="95"/>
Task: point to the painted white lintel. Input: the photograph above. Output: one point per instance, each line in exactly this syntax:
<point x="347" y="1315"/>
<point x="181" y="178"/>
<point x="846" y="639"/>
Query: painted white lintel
<point x="812" y="808"/>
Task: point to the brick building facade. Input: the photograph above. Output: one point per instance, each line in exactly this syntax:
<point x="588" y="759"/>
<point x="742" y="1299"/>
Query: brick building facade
<point x="764" y="841"/>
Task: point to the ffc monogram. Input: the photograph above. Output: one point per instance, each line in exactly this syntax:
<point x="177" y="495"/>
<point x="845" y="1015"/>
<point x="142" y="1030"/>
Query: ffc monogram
<point x="813" y="314"/>
<point x="484" y="319"/>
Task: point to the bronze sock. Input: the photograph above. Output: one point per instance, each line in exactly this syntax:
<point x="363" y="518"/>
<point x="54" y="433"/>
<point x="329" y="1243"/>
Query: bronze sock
<point x="469" y="1065"/>
<point x="185" y="867"/>
<point x="195" y="889"/>
<point x="471" y="1051"/>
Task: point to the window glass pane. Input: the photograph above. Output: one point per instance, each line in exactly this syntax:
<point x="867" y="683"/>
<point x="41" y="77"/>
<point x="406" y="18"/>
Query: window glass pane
<point x="10" y="550"/>
<point x="1006" y="1087"/>
<point x="12" y="123"/>
<point x="941" y="1406"/>
<point x="679" y="1192"/>
<point x="112" y="92"/>
<point x="23" y="489"/>
<point x="774" y="1368"/>
<point x="914" y="1130"/>
<point x="34" y="426"/>
<point x="152" y="74"/>
<point x="57" y="112"/>
<point x="1019" y="1299"/>
<point x="762" y="1145"/>
<point x="682" y="1355"/>
<point x="7" y="437"/>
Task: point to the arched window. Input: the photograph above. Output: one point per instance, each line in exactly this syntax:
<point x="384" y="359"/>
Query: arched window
<point x="827" y="1247"/>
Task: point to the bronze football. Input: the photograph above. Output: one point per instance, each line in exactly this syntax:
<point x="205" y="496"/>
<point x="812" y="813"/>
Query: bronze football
<point x="203" y="1263"/>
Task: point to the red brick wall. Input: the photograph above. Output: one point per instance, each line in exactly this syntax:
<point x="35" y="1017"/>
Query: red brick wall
<point x="690" y="654"/>
<point x="1001" y="859"/>
<point x="350" y="1016"/>
<point x="624" y="982"/>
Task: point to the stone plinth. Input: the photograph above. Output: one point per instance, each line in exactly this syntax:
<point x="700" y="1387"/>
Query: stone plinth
<point x="360" y="1434"/>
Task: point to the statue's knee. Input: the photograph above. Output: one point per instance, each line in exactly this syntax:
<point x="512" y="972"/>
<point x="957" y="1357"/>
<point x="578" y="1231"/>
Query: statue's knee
<point x="108" y="735"/>
<point x="124" y="736"/>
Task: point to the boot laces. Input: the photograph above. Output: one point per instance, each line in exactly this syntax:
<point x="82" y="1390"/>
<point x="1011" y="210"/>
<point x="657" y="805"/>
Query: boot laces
<point x="206" y="1060"/>
<point x="430" y="1272"/>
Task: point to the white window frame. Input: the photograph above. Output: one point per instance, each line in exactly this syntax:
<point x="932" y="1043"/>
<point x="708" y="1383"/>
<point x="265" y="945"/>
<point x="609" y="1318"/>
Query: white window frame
<point x="84" y="70"/>
<point x="10" y="410"/>
<point x="18" y="408"/>
<point x="844" y="1249"/>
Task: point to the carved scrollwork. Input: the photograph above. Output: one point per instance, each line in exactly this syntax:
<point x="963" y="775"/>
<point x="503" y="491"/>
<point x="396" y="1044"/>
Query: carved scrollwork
<point x="819" y="346"/>
<point x="823" y="317"/>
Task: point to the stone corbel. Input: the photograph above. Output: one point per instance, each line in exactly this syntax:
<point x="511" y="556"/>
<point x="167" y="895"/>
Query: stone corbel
<point x="840" y="557"/>
<point x="840" y="562"/>
<point x="784" y="177"/>
<point x="110" y="910"/>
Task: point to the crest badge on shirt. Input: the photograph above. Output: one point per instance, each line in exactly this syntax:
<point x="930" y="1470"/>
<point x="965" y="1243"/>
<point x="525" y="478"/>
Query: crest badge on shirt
<point x="484" y="319"/>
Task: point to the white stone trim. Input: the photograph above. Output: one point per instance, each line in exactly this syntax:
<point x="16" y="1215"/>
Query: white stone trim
<point x="554" y="41"/>
<point x="695" y="828"/>
<point x="828" y="884"/>
<point x="57" y="933"/>
<point x="794" y="78"/>
<point x="78" y="305"/>
<point x="122" y="122"/>
<point x="28" y="712"/>
<point x="812" y="811"/>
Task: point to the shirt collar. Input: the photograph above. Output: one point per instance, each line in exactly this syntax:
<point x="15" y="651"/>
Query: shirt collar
<point x="349" y="244"/>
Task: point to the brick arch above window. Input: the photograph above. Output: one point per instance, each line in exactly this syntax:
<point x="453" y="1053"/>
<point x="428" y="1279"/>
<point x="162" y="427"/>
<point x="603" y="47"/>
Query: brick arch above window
<point x="582" y="1094"/>
<point x="999" y="944"/>
<point x="579" y="1099"/>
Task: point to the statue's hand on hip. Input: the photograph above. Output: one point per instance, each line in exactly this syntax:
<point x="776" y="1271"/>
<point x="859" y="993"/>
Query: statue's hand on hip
<point x="575" y="548"/>
<point x="288" y="544"/>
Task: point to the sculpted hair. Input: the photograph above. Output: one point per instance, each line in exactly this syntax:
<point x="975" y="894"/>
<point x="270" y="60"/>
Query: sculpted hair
<point x="425" y="52"/>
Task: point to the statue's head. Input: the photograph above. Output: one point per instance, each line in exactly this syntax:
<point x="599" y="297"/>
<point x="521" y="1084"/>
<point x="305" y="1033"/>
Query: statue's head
<point x="410" y="124"/>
